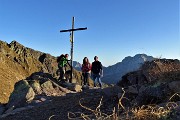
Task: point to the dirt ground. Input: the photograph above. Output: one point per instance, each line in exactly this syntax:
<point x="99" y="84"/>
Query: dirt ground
<point x="57" y="108"/>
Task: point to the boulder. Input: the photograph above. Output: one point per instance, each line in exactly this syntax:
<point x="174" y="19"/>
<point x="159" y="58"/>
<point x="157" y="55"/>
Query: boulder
<point x="73" y="87"/>
<point x="162" y="70"/>
<point x="153" y="95"/>
<point x="36" y="86"/>
<point x="47" y="88"/>
<point x="174" y="86"/>
<point x="132" y="78"/>
<point x="22" y="94"/>
<point x="85" y="87"/>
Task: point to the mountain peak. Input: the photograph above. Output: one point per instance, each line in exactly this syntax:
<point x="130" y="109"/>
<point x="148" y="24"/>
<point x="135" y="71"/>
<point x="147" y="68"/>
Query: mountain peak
<point x="141" y="55"/>
<point x="15" y="43"/>
<point x="138" y="57"/>
<point x="128" y="64"/>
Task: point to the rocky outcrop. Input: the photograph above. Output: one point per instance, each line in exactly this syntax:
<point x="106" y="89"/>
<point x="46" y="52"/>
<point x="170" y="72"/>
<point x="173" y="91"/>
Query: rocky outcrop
<point x="34" y="90"/>
<point x="73" y="86"/>
<point x="154" y="83"/>
<point x="45" y="84"/>
<point x="33" y="60"/>
<point x="17" y="62"/>
<point x="160" y="70"/>
<point x="153" y="95"/>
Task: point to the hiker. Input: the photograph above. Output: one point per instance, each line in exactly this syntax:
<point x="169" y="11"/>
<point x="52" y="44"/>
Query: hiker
<point x="86" y="70"/>
<point x="62" y="65"/>
<point x="97" y="71"/>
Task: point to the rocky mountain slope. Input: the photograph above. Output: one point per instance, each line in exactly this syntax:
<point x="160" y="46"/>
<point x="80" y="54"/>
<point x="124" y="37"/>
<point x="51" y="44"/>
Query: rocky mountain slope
<point x="149" y="93"/>
<point x="113" y="73"/>
<point x="17" y="62"/>
<point x="152" y="92"/>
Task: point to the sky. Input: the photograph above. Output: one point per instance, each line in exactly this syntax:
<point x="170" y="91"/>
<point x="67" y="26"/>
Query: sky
<point x="115" y="28"/>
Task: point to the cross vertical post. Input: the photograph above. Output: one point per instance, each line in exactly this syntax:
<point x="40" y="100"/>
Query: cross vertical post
<point x="72" y="47"/>
<point x="72" y="43"/>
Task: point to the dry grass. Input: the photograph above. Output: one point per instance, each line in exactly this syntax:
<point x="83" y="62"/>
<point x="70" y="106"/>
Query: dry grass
<point x="144" y="112"/>
<point x="97" y="114"/>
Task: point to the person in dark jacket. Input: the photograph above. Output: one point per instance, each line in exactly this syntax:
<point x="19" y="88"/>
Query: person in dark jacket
<point x="97" y="71"/>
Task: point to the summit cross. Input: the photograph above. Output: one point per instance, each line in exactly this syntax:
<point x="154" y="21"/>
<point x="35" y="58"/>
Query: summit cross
<point x="72" y="43"/>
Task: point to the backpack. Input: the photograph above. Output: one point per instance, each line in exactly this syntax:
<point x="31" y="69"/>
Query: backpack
<point x="60" y="57"/>
<point x="62" y="61"/>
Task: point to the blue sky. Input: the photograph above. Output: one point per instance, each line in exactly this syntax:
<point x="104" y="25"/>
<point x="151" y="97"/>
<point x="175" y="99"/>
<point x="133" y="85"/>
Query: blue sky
<point x="116" y="28"/>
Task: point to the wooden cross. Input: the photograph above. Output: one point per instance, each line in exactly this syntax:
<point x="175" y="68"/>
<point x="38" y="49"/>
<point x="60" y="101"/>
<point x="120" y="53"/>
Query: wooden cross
<point x="72" y="42"/>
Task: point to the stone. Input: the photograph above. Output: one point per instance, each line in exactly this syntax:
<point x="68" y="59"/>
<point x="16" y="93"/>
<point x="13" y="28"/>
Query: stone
<point x="85" y="87"/>
<point x="174" y="86"/>
<point x="47" y="88"/>
<point x="73" y="87"/>
<point x="153" y="95"/>
<point x="22" y="94"/>
<point x="36" y="86"/>
<point x="42" y="99"/>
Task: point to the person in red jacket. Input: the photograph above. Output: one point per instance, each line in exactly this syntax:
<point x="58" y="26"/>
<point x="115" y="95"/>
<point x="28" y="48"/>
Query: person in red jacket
<point x="86" y="70"/>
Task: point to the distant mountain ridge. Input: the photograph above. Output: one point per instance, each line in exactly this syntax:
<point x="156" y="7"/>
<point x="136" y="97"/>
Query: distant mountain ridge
<point x="77" y="65"/>
<point x="113" y="74"/>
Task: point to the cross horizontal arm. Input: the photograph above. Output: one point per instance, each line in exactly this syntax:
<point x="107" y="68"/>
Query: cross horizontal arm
<point x="69" y="30"/>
